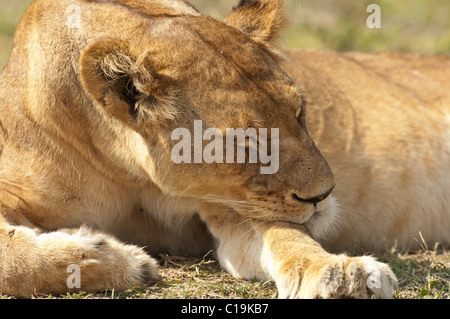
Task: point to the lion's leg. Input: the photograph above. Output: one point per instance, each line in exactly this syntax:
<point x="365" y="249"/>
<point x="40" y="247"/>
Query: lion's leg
<point x="300" y="267"/>
<point x="63" y="261"/>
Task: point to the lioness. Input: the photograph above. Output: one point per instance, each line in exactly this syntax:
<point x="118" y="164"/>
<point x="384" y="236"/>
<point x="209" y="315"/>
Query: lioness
<point x="93" y="92"/>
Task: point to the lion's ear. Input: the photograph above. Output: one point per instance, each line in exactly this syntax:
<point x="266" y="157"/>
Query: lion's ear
<point x="117" y="77"/>
<point x="260" y="19"/>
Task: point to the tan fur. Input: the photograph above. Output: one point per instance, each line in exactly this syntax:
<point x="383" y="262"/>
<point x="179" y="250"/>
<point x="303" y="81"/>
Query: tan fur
<point x="86" y="121"/>
<point x="388" y="117"/>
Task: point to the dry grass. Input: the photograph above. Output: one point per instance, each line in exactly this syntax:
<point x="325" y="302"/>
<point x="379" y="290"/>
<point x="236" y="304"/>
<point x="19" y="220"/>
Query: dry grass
<point x="422" y="275"/>
<point x="185" y="278"/>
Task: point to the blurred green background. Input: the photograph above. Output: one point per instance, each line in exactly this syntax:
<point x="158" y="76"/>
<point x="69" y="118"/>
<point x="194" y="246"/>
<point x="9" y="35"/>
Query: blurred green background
<point x="406" y="25"/>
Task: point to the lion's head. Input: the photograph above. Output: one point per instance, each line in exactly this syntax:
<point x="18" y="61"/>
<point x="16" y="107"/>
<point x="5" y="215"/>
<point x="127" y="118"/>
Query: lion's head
<point x="184" y="72"/>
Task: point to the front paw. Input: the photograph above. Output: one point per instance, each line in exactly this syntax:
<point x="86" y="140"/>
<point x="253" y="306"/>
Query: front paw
<point x="339" y="276"/>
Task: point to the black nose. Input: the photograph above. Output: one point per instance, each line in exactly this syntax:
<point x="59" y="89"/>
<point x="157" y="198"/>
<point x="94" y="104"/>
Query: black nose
<point x="313" y="200"/>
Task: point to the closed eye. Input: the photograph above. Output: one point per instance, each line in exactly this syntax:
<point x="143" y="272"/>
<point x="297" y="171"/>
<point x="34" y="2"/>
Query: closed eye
<point x="298" y="111"/>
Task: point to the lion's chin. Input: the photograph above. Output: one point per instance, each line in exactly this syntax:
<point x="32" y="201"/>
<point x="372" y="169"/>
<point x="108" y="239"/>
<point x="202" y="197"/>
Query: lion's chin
<point x="319" y="222"/>
<point x="325" y="219"/>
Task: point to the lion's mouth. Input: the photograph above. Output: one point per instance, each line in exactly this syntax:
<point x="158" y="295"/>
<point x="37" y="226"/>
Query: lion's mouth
<point x="261" y="212"/>
<point x="317" y="222"/>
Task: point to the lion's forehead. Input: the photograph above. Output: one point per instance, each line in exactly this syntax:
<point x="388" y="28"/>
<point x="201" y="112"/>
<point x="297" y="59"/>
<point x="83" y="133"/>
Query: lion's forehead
<point x="152" y="8"/>
<point x="218" y="63"/>
<point x="223" y="67"/>
<point x="184" y="39"/>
